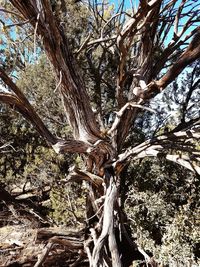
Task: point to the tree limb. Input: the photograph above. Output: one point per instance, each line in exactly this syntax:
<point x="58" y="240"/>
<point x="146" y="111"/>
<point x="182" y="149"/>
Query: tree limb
<point x="74" y="95"/>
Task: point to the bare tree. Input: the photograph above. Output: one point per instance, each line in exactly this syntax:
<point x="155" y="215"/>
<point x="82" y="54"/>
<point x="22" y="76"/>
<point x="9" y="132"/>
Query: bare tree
<point x="143" y="40"/>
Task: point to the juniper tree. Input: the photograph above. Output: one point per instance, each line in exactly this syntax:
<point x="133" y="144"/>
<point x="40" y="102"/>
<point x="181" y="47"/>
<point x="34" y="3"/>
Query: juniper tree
<point x="138" y="54"/>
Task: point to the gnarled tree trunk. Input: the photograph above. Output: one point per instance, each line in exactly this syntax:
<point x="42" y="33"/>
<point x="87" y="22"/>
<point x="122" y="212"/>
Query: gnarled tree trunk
<point x="107" y="239"/>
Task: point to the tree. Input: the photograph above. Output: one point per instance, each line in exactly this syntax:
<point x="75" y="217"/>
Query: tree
<point x="137" y="45"/>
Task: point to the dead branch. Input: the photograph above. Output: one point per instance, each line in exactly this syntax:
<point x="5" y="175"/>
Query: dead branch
<point x="35" y="35"/>
<point x="11" y="12"/>
<point x="7" y="145"/>
<point x="191" y="54"/>
<point x="108" y="228"/>
<point x="157" y="146"/>
<point x="17" y="24"/>
<point x="59" y="83"/>
<point x="78" y="175"/>
<point x="44" y="255"/>
<point x="121" y="112"/>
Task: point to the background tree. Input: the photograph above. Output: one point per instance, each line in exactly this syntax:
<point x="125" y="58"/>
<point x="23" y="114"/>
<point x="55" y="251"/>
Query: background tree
<point x="126" y="59"/>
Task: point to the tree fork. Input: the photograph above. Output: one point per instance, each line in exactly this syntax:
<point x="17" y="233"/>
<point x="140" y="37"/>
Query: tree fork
<point x="106" y="222"/>
<point x="100" y="152"/>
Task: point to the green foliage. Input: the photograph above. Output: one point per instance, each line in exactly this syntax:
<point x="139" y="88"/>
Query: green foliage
<point x="26" y="156"/>
<point x="68" y="204"/>
<point x="38" y="83"/>
<point x="163" y="209"/>
<point x="75" y="20"/>
<point x="16" y="42"/>
<point x="27" y="162"/>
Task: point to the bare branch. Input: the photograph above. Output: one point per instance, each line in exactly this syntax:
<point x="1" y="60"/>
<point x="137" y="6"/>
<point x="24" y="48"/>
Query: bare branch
<point x="35" y="35"/>
<point x="59" y="83"/>
<point x="124" y="41"/>
<point x="68" y="244"/>
<point x="17" y="24"/>
<point x="121" y="112"/>
<point x="11" y="12"/>
<point x="7" y="145"/>
<point x="184" y="161"/>
<point x="78" y="175"/>
<point x="177" y="18"/>
<point x="84" y="44"/>
<point x="191" y="54"/>
<point x="101" y="40"/>
<point x="44" y="254"/>
<point x="157" y="145"/>
<point x="106" y="24"/>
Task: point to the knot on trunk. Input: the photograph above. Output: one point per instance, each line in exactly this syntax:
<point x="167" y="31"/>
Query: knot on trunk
<point x="100" y="154"/>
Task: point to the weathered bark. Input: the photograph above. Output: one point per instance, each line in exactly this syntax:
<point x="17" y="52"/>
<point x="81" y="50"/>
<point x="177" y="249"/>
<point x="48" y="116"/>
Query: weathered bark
<point x="190" y="55"/>
<point x="78" y="111"/>
<point x="20" y="103"/>
<point x="145" y="69"/>
<point x="107" y="230"/>
<point x="107" y="237"/>
<point x="75" y="97"/>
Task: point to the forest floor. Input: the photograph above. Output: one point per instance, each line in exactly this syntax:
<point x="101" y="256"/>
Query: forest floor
<point x="25" y="246"/>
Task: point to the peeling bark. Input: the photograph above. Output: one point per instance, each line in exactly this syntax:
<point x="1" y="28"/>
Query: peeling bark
<point x="104" y="157"/>
<point x="74" y="95"/>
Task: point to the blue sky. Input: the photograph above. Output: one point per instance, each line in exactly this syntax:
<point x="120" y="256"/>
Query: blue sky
<point x="127" y="3"/>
